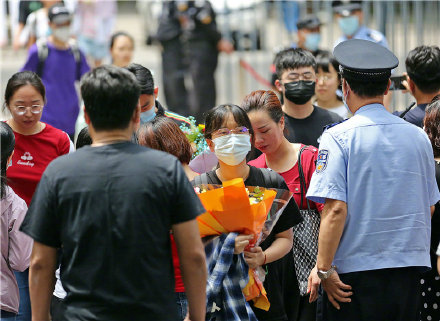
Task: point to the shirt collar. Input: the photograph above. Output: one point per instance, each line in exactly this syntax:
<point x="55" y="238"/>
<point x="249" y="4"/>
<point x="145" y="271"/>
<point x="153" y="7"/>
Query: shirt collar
<point x="366" y="108"/>
<point x="422" y="106"/>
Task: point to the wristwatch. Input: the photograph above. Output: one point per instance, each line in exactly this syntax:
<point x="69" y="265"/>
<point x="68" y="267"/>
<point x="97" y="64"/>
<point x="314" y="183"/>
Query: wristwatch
<point x="324" y="275"/>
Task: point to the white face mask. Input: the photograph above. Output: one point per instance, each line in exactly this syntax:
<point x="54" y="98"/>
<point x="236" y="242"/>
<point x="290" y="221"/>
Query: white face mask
<point x="344" y="100"/>
<point x="61" y="33"/>
<point x="232" y="149"/>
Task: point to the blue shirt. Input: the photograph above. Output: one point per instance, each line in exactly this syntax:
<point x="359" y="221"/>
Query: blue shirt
<point x="383" y="168"/>
<point x="365" y="33"/>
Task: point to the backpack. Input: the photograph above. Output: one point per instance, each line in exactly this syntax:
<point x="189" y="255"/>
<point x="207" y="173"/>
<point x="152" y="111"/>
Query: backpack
<point x="43" y="52"/>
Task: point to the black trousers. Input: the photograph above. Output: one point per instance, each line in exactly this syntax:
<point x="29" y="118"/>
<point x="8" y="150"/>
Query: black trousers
<point x="173" y="76"/>
<point x="378" y="295"/>
<point x="56" y="309"/>
<point x="196" y="61"/>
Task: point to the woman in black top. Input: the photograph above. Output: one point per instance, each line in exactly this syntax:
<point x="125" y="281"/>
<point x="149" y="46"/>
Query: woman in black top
<point x="430" y="282"/>
<point x="228" y="133"/>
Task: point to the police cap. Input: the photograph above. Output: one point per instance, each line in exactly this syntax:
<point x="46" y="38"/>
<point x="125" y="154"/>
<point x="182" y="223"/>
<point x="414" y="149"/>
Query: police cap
<point x="346" y="7"/>
<point x="308" y="22"/>
<point x="364" y="60"/>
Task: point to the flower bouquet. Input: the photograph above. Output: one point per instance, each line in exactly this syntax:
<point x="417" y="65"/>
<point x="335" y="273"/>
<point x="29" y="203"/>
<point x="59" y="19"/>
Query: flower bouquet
<point x="195" y="135"/>
<point x="234" y="207"/>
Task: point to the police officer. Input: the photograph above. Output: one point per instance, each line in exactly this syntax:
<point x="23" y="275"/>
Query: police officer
<point x="309" y="34"/>
<point x="376" y="175"/>
<point x="190" y="43"/>
<point x="350" y="20"/>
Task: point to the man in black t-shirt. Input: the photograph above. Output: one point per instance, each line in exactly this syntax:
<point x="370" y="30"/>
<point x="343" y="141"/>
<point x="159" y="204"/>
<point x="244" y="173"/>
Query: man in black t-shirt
<point x="422" y="80"/>
<point x="110" y="207"/>
<point x="296" y="70"/>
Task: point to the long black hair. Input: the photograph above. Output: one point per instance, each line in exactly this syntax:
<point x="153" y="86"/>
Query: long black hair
<point x="7" y="140"/>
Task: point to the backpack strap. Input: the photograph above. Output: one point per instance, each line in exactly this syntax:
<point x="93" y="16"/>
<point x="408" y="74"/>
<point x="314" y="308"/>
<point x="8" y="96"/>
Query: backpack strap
<point x="77" y="55"/>
<point x="406" y="110"/>
<point x="43" y="52"/>
<point x="201" y="179"/>
<point x="268" y="176"/>
<point x="302" y="179"/>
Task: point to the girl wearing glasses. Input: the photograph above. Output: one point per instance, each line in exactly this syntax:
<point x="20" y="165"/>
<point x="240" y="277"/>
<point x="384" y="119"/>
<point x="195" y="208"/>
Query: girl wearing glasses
<point x="327" y="84"/>
<point x="229" y="134"/>
<point x="36" y="145"/>
<point x="267" y="119"/>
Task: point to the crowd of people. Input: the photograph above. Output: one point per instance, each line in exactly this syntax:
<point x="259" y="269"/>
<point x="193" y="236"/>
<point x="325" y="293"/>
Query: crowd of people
<point x="107" y="229"/>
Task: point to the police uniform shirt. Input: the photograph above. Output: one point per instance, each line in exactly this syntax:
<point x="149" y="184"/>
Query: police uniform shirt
<point x="365" y="33"/>
<point x="383" y="168"/>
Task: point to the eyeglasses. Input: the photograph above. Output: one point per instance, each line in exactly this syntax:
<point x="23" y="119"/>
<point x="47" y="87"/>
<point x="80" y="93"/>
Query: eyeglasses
<point x="226" y="131"/>
<point x="324" y="78"/>
<point x="307" y="76"/>
<point x="35" y="109"/>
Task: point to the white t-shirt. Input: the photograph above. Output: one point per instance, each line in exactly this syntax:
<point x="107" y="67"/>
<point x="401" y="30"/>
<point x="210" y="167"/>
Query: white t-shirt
<point x="37" y="24"/>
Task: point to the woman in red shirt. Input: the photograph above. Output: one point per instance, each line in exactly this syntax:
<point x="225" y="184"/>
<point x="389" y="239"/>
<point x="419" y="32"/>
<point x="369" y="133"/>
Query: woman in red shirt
<point x="267" y="119"/>
<point x="36" y="145"/>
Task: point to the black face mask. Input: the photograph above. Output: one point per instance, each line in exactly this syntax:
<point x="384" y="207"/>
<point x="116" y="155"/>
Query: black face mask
<point x="299" y="92"/>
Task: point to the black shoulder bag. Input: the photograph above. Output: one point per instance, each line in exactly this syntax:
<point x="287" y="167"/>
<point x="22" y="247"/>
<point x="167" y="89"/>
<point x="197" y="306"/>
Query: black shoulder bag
<point x="305" y="236"/>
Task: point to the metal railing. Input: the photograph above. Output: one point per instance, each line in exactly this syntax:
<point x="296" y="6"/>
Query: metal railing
<point x="260" y="31"/>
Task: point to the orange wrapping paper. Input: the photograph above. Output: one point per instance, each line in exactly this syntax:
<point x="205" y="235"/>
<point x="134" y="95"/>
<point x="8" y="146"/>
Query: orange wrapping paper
<point x="229" y="210"/>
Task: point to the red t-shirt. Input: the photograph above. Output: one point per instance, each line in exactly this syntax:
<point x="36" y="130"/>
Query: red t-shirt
<point x="32" y="154"/>
<point x="308" y="159"/>
<point x="177" y="275"/>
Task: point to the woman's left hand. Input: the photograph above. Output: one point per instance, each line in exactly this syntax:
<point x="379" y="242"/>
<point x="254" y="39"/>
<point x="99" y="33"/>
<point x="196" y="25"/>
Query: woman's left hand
<point x="255" y="257"/>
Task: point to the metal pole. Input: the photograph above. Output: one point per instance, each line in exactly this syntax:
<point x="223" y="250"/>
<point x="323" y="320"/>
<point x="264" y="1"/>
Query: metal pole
<point x="391" y="18"/>
<point x="418" y="7"/>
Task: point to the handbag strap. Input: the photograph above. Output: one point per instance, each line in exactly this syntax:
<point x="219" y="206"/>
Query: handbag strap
<point x="302" y="179"/>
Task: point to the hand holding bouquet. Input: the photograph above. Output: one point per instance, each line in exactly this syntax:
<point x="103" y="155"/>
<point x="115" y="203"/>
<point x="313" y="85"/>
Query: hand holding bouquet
<point x="249" y="210"/>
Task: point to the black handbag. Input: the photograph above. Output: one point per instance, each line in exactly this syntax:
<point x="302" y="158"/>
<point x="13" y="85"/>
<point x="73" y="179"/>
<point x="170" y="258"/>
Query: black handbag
<point x="305" y="236"/>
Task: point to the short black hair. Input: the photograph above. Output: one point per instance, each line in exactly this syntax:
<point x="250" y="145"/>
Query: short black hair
<point x="368" y="89"/>
<point x="21" y="79"/>
<point x="293" y="58"/>
<point x="110" y="97"/>
<point x="216" y="117"/>
<point x="120" y="34"/>
<point x="423" y="67"/>
<point x="83" y="138"/>
<point x="323" y="61"/>
<point x="144" y="77"/>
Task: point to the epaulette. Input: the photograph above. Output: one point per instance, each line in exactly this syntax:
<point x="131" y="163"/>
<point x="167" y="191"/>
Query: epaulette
<point x="375" y="35"/>
<point x="333" y="125"/>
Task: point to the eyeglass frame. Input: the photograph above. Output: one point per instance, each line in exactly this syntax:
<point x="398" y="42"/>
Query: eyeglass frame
<point x="325" y="78"/>
<point x="232" y="131"/>
<point x="300" y="77"/>
<point x="21" y="113"/>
